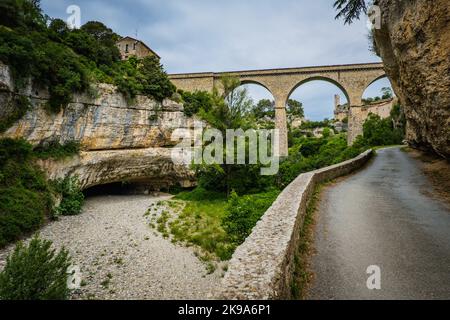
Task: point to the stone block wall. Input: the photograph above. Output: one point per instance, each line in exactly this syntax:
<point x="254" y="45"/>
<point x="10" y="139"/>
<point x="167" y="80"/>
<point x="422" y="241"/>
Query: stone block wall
<point x="262" y="267"/>
<point x="358" y="115"/>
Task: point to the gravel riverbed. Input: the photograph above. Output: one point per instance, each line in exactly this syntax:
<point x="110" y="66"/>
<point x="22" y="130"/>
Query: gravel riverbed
<point x="121" y="257"/>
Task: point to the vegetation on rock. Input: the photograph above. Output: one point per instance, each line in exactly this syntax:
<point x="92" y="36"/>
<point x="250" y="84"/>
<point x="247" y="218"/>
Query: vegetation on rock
<point x="57" y="151"/>
<point x="25" y="196"/>
<point x="68" y="61"/>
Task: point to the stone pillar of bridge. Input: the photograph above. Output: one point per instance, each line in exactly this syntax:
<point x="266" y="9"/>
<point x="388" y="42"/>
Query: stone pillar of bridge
<point x="281" y="124"/>
<point x="355" y="122"/>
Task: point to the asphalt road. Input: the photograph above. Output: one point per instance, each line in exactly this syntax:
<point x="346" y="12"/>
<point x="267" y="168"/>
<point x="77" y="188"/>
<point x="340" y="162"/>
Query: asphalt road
<point x="382" y="216"/>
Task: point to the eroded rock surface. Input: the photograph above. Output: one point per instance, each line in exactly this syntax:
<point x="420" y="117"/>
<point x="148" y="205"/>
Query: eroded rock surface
<point x="121" y="140"/>
<point x="414" y="43"/>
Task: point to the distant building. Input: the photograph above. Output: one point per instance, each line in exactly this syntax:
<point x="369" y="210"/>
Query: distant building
<point x="340" y="111"/>
<point x="130" y="47"/>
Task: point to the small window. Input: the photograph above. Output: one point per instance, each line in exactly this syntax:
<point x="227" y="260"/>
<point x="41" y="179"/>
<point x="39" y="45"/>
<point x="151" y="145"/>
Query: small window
<point x="126" y="48"/>
<point x="134" y="46"/>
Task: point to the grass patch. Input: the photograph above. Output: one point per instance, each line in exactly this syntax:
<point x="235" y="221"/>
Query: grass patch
<point x="301" y="274"/>
<point x="209" y="221"/>
<point x="199" y="224"/>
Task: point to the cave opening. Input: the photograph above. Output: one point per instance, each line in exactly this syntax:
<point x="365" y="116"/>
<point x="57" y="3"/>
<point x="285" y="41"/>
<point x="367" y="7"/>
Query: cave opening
<point x="131" y="188"/>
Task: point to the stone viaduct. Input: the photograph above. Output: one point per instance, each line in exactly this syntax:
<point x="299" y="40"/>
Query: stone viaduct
<point x="352" y="79"/>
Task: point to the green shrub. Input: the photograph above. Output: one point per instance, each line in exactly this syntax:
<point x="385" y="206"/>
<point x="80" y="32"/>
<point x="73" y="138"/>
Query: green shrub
<point x="199" y="194"/>
<point x="19" y="106"/>
<point x="25" y="197"/>
<point x="21" y="211"/>
<point x="72" y="197"/>
<point x="381" y="132"/>
<point x="242" y="213"/>
<point x="154" y="79"/>
<point x="195" y="101"/>
<point x="57" y="151"/>
<point x="35" y="272"/>
<point x="68" y="61"/>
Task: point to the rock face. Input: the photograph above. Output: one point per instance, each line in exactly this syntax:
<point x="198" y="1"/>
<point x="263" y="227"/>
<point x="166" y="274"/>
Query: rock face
<point x="121" y="141"/>
<point x="414" y="43"/>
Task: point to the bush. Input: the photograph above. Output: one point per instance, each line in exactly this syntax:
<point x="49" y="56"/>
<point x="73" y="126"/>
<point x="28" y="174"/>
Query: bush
<point x="199" y="194"/>
<point x="242" y="213"/>
<point x="196" y="101"/>
<point x="381" y="132"/>
<point x="68" y="61"/>
<point x="72" y="197"/>
<point x="25" y="197"/>
<point x="35" y="272"/>
<point x="19" y="106"/>
<point x="154" y="79"/>
<point x="57" y="151"/>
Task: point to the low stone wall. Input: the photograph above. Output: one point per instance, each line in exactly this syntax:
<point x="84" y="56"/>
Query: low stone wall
<point x="261" y="268"/>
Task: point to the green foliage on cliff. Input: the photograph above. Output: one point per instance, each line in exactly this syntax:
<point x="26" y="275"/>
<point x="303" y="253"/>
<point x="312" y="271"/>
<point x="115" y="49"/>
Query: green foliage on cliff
<point x="55" y="150"/>
<point x="35" y="272"/>
<point x="25" y="196"/>
<point x="19" y="106"/>
<point x="197" y="101"/>
<point x="67" y="61"/>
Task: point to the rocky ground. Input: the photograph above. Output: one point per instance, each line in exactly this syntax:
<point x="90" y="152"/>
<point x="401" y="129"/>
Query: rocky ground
<point x="121" y="257"/>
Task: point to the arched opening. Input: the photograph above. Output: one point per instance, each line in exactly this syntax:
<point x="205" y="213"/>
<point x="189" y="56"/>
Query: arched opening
<point x="379" y="90"/>
<point x="259" y="100"/>
<point x="321" y="99"/>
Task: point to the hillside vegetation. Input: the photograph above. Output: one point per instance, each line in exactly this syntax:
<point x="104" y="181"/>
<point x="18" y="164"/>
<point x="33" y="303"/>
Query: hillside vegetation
<point x="70" y="60"/>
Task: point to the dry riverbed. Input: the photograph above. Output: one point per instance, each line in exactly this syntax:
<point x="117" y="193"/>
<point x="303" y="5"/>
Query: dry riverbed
<point x="121" y="257"/>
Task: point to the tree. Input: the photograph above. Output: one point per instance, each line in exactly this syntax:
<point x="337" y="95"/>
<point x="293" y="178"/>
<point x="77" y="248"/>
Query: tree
<point x="193" y="102"/>
<point x="231" y="110"/>
<point x="22" y="14"/>
<point x="58" y="30"/>
<point x="295" y="108"/>
<point x="350" y="10"/>
<point x="386" y="93"/>
<point x="106" y="50"/>
<point x="154" y="79"/>
<point x="263" y="108"/>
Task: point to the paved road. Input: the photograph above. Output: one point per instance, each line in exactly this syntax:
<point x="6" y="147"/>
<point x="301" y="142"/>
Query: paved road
<point x="382" y="216"/>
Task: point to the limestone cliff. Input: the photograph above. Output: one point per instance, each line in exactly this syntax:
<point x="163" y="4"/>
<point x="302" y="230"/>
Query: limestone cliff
<point x="414" y="43"/>
<point x="120" y="141"/>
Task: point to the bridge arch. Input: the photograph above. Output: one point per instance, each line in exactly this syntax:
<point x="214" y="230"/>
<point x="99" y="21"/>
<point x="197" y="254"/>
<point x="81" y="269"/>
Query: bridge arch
<point x="374" y="87"/>
<point x="256" y="82"/>
<point x="319" y="78"/>
<point x="384" y="76"/>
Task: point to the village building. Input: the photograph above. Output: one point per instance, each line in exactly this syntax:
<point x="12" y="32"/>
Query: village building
<point x="130" y="47"/>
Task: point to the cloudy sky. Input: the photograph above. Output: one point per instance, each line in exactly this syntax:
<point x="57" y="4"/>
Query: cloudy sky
<point x="207" y="35"/>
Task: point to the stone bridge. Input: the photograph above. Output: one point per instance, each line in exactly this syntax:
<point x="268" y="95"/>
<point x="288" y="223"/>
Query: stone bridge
<point x="352" y="79"/>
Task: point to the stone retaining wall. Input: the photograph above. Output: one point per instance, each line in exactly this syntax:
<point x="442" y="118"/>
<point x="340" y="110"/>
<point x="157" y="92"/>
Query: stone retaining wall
<point x="261" y="268"/>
